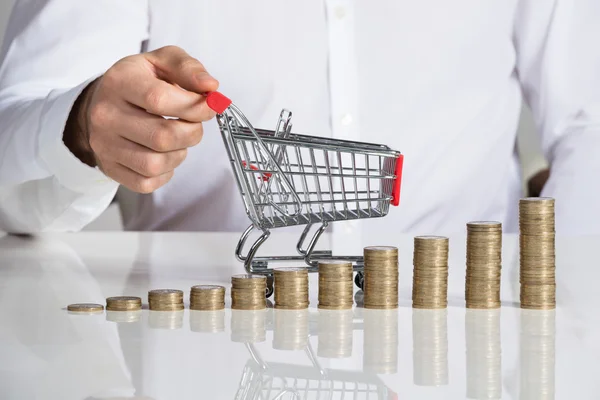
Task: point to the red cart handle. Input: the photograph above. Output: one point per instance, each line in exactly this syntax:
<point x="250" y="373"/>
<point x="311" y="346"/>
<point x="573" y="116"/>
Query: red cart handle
<point x="397" y="180"/>
<point x="217" y="102"/>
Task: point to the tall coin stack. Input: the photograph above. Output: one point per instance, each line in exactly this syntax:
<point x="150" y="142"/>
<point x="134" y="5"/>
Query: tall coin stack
<point x="165" y="300"/>
<point x="380" y="277"/>
<point x="430" y="272"/>
<point x="248" y="292"/>
<point x="537" y="255"/>
<point x="207" y="297"/>
<point x="335" y="285"/>
<point x="484" y="263"/>
<point x="291" y="288"/>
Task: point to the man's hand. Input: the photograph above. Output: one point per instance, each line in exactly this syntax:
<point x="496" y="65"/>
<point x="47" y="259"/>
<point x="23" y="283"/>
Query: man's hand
<point x="118" y="122"/>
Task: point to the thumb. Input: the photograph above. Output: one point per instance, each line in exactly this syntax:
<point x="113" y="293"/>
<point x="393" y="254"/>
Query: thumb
<point x="174" y="65"/>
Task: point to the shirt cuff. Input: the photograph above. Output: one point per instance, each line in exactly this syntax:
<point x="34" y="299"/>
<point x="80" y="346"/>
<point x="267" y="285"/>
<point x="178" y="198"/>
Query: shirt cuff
<point x="58" y="159"/>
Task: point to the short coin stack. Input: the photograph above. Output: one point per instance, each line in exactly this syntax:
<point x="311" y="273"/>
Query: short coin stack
<point x="291" y="288"/>
<point x="248" y="292"/>
<point x="380" y="277"/>
<point x="123" y="303"/>
<point x="430" y="273"/>
<point x="165" y="300"/>
<point x="484" y="263"/>
<point x="85" y="308"/>
<point x="537" y="255"/>
<point x="207" y="297"/>
<point x="335" y="285"/>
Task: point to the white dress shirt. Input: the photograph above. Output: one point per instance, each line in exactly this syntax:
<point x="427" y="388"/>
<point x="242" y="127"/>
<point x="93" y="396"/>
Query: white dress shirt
<point x="440" y="81"/>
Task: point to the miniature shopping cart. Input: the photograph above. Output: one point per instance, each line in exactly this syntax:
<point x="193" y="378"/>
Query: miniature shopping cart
<point x="287" y="179"/>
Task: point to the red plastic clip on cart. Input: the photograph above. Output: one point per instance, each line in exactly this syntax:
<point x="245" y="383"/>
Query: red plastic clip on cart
<point x="288" y="179"/>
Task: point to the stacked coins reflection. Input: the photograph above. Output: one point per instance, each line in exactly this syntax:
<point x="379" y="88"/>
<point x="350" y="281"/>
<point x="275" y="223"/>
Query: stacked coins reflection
<point x="537" y="255"/>
<point x="380" y="277"/>
<point x="290" y="329"/>
<point x="123" y="303"/>
<point x="335" y="333"/>
<point x="380" y="344"/>
<point x="207" y="321"/>
<point x="248" y="292"/>
<point x="335" y="285"/>
<point x="123" y="316"/>
<point x="291" y="288"/>
<point x="430" y="347"/>
<point x="430" y="273"/>
<point x="484" y="354"/>
<point x="537" y="354"/>
<point x="207" y="297"/>
<point x="249" y="326"/>
<point x="484" y="263"/>
<point x="165" y="320"/>
<point x="165" y="300"/>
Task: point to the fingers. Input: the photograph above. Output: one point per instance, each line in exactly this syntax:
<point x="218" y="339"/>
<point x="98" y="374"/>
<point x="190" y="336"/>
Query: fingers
<point x="174" y="65"/>
<point x="134" y="181"/>
<point x="160" y="134"/>
<point x="142" y="160"/>
<point x="163" y="99"/>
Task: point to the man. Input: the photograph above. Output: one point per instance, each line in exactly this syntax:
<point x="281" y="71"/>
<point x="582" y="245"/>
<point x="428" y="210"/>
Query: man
<point x="84" y="87"/>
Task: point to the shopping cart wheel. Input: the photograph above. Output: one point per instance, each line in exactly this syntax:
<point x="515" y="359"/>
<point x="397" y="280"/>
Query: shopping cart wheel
<point x="269" y="292"/>
<point x="359" y="280"/>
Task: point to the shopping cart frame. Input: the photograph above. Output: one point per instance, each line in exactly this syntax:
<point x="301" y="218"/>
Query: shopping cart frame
<point x="264" y="156"/>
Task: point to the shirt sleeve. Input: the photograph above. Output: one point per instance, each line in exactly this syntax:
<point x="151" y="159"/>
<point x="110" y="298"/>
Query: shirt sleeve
<point x="558" y="63"/>
<point x="52" y="50"/>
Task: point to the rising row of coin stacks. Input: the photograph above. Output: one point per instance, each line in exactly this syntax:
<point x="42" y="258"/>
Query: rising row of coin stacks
<point x="380" y="285"/>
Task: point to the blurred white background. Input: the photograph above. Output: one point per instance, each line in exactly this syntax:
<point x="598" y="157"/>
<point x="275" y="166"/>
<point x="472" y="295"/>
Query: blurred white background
<point x="528" y="144"/>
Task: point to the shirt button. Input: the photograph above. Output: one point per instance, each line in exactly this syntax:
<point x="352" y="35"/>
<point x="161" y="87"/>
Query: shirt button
<point x="346" y="119"/>
<point x="340" y="12"/>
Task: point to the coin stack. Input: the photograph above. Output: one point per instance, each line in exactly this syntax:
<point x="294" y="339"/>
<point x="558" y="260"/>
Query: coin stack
<point x="430" y="347"/>
<point x="430" y="273"/>
<point x="207" y="297"/>
<point x="291" y="288"/>
<point x="165" y="300"/>
<point x="335" y="333"/>
<point x="381" y="277"/>
<point x="335" y="285"/>
<point x="537" y="254"/>
<point x="248" y="292"/>
<point x="86" y="308"/>
<point x="484" y="263"/>
<point x="484" y="354"/>
<point x="123" y="303"/>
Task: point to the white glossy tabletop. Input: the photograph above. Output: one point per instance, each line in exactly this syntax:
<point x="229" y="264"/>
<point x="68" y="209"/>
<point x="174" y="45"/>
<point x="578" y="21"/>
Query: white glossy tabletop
<point x="48" y="353"/>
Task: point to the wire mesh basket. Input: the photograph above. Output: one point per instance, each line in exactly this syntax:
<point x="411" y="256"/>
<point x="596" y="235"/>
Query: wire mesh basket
<point x="288" y="179"/>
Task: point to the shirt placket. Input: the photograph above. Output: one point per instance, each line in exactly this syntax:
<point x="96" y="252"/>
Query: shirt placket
<point x="343" y="89"/>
